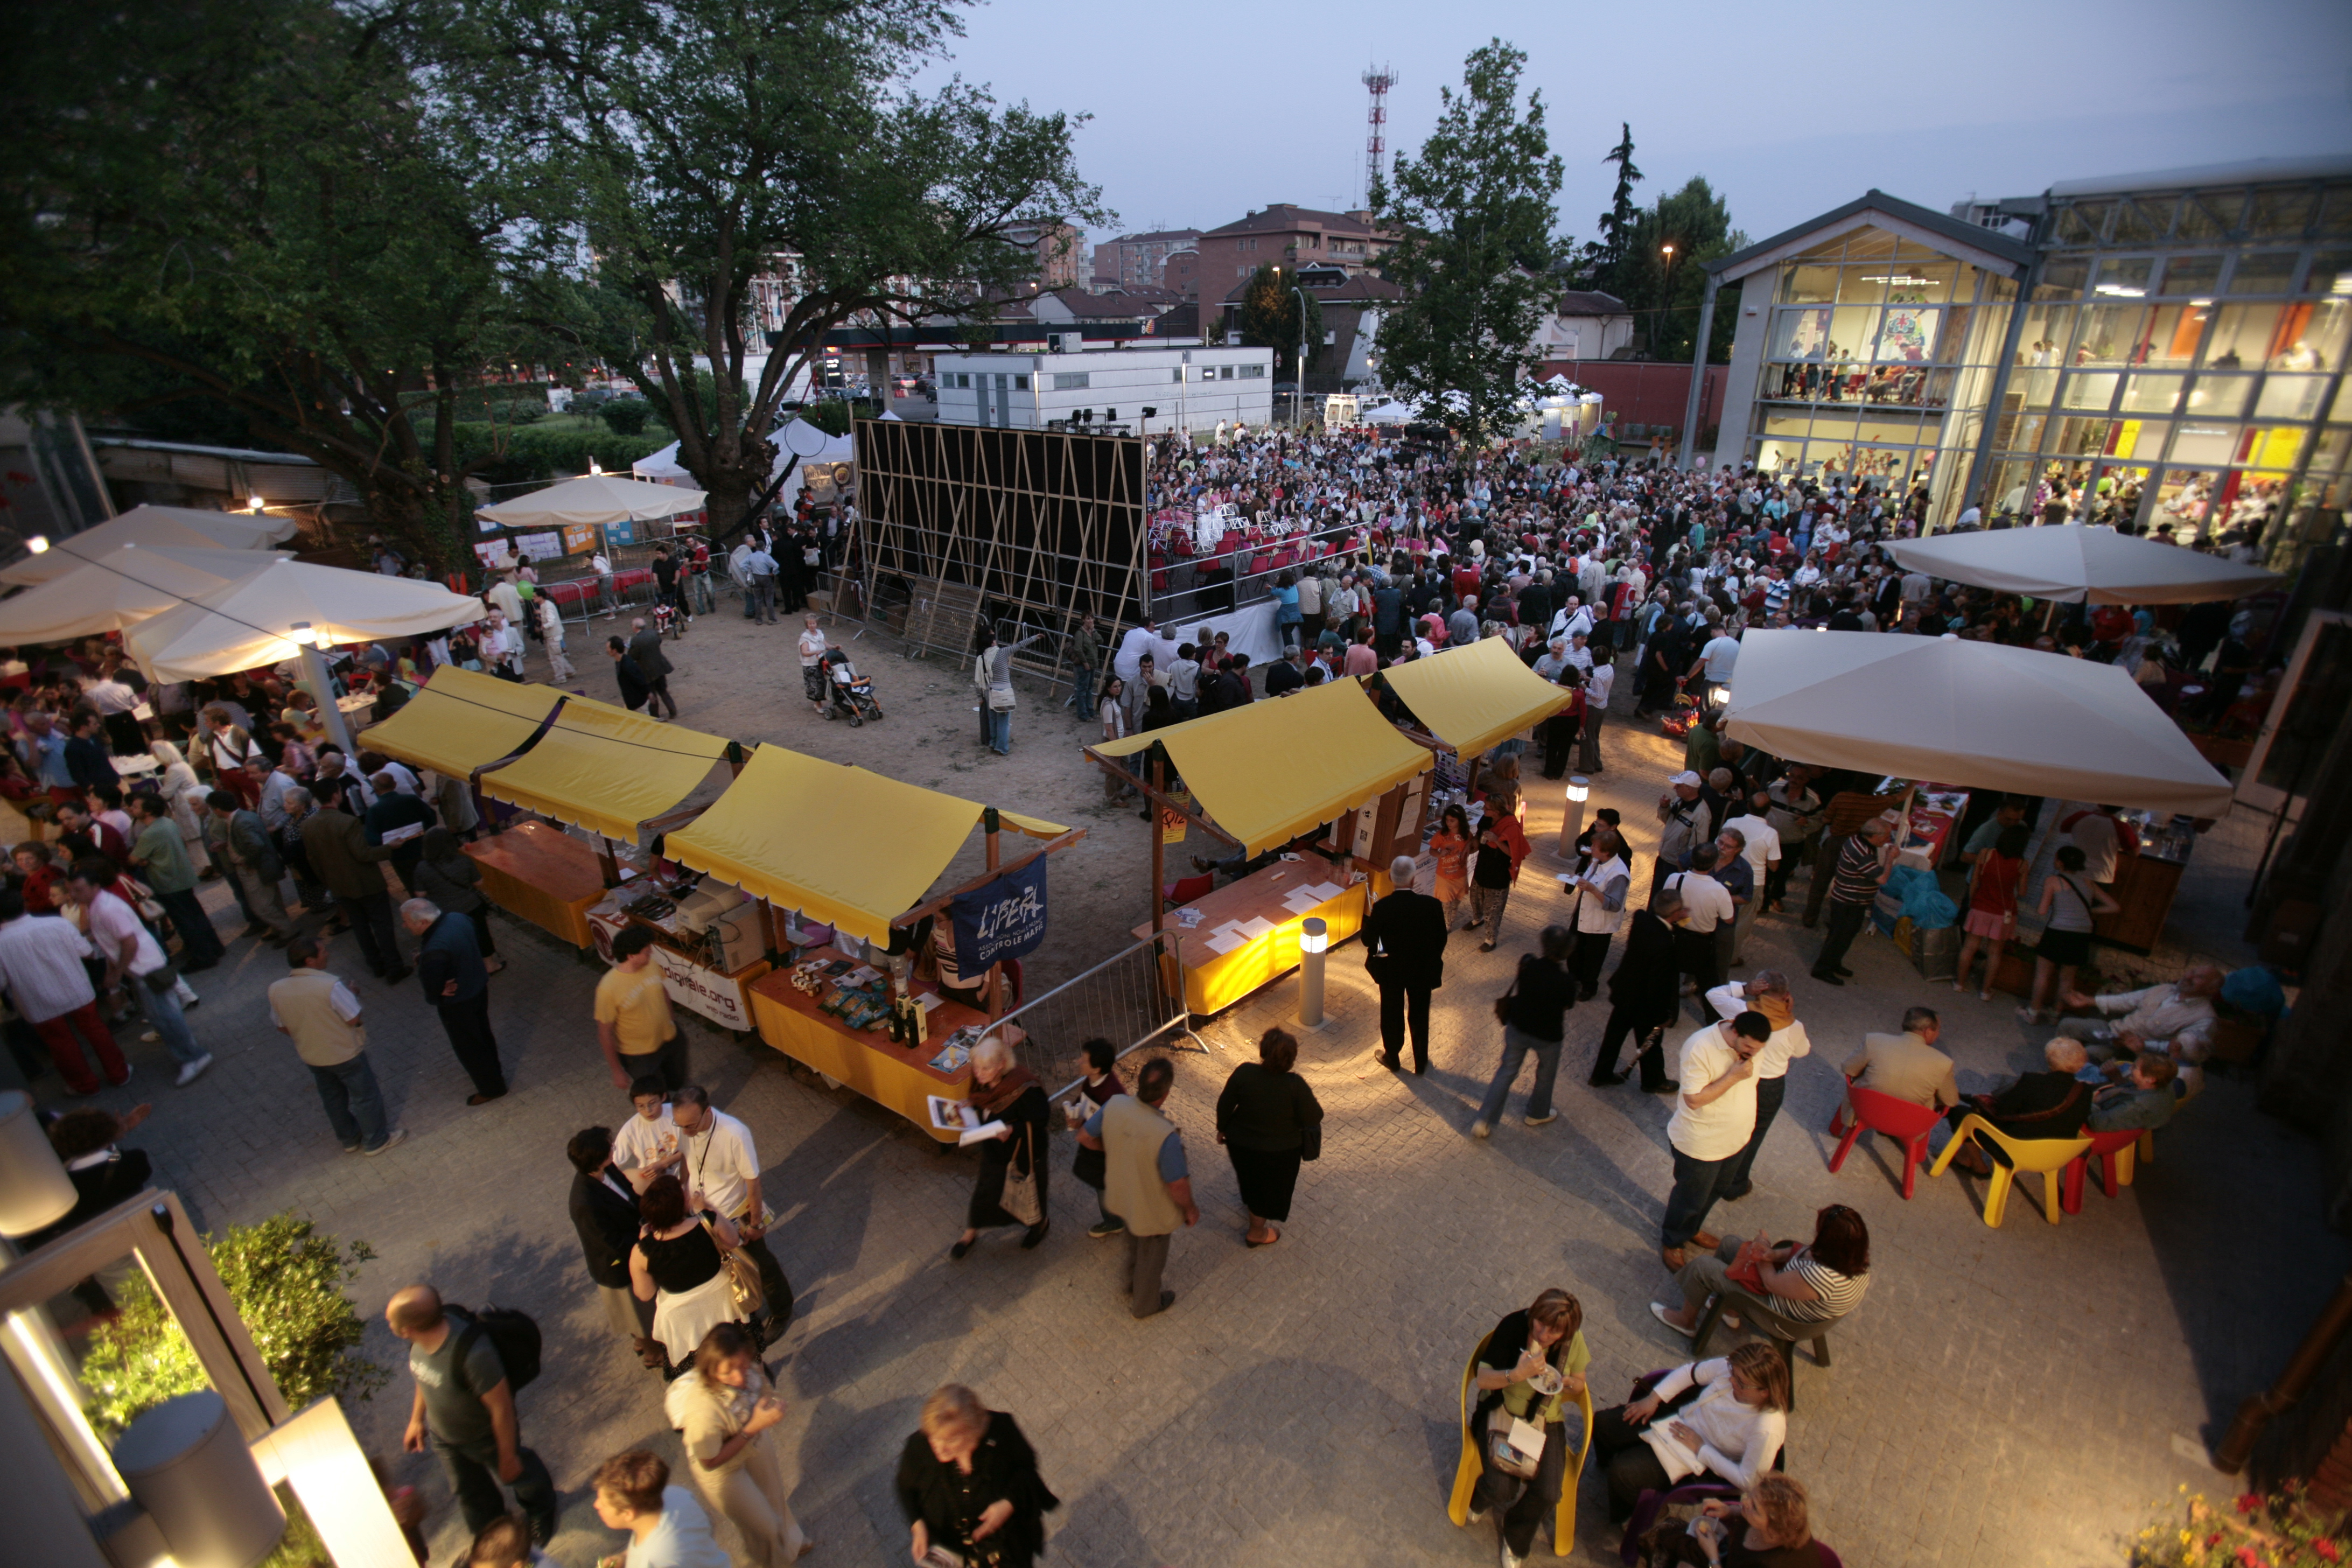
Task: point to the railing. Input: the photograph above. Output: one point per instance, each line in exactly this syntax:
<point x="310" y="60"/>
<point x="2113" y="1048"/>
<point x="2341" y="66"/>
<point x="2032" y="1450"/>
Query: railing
<point x="1187" y="598"/>
<point x="1133" y="999"/>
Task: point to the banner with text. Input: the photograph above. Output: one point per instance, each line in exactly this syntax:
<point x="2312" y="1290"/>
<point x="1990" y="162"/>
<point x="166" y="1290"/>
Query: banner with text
<point x="1006" y="918"/>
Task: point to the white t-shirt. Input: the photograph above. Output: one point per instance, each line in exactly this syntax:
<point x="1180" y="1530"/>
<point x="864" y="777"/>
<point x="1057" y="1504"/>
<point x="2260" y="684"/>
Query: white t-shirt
<point x="811" y="645"/>
<point x="1763" y="844"/>
<point x="1709" y="901"/>
<point x="638" y="1143"/>
<point x="112" y="921"/>
<point x="721" y="1161"/>
<point x="1785" y="1046"/>
<point x="1719" y="1128"/>
<point x="1721" y="653"/>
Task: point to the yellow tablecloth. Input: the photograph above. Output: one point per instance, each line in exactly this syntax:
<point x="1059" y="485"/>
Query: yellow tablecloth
<point x="1215" y="981"/>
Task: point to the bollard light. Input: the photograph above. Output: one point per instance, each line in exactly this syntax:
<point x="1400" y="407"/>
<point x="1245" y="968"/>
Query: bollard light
<point x="1314" y="941"/>
<point x="1571" y="814"/>
<point x="35" y="1190"/>
<point x="39" y="544"/>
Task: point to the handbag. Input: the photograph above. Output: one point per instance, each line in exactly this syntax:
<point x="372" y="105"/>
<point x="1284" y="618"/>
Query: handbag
<point x="1020" y="1197"/>
<point x="1503" y="1002"/>
<point x="748" y="1297"/>
<point x="1506" y="1435"/>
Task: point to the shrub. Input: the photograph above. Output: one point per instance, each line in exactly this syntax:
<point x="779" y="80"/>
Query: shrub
<point x="627" y="415"/>
<point x="287" y="1282"/>
<point x="2252" y="1531"/>
<point x="517" y="412"/>
<point x="830" y="415"/>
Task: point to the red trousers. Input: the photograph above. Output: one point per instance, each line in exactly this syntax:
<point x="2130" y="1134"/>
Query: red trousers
<point x="58" y="1033"/>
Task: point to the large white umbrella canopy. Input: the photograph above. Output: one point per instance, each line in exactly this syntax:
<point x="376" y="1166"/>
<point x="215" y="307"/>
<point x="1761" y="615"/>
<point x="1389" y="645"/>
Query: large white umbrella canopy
<point x="121" y="588"/>
<point x="2077" y="562"/>
<point x="1974" y="714"/>
<point x="250" y="623"/>
<point x="593" y="500"/>
<point x="181" y="526"/>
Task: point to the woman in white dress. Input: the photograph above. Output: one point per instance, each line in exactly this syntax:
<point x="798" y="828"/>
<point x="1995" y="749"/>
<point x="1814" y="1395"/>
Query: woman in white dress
<point x="724" y="1408"/>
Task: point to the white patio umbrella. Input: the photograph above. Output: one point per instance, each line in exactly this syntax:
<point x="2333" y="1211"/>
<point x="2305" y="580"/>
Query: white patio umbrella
<point x="254" y="621"/>
<point x="593" y="500"/>
<point x="1978" y="715"/>
<point x="2076" y="562"/>
<point x="121" y="588"/>
<point x="184" y="527"/>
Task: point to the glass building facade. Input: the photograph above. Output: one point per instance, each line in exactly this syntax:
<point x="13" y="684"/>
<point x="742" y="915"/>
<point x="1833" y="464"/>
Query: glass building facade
<point x="2153" y="354"/>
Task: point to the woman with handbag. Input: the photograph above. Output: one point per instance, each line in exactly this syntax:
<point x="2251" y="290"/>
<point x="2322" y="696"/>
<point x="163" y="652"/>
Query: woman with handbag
<point x="1101" y="1085"/>
<point x="1010" y="1189"/>
<point x="1994" y="883"/>
<point x="1530" y="1377"/>
<point x="2070" y="903"/>
<point x="722" y="1411"/>
<point x="679" y="1265"/>
<point x="1268" y="1120"/>
<point x="1534" y="1014"/>
<point x="969" y="1486"/>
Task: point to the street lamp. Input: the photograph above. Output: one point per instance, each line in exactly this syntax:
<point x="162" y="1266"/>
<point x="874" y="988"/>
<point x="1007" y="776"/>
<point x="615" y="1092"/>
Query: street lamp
<point x="1571" y="816"/>
<point x="1314" y="941"/>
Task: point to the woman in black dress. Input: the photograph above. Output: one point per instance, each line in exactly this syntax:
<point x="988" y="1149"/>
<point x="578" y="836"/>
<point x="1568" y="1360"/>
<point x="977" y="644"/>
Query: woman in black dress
<point x="969" y="1483"/>
<point x="1003" y="1090"/>
<point x="1268" y="1121"/>
<point x="676" y="1264"/>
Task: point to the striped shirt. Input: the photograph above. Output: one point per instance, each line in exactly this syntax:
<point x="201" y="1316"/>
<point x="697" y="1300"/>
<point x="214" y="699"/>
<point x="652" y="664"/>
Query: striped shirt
<point x="1856" y="882"/>
<point x="1839" y="1293"/>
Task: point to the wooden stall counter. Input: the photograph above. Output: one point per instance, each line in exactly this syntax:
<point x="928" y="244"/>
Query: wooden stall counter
<point x="898" y="1077"/>
<point x="1215" y="980"/>
<point x="2144" y="885"/>
<point x="543" y="875"/>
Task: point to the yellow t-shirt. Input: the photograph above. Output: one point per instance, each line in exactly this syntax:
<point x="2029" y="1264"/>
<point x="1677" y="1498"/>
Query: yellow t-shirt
<point x="637" y="1008"/>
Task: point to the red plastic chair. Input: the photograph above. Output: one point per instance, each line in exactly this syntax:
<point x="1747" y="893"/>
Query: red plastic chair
<point x="1191" y="888"/>
<point x="1898" y="1119"/>
<point x="2118" y="1155"/>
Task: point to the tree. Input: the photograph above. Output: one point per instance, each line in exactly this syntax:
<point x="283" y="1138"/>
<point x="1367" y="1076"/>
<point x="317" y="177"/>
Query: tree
<point x="664" y="156"/>
<point x="1602" y="256"/>
<point x="1269" y="317"/>
<point x="1475" y="213"/>
<point x="237" y="208"/>
<point x="1665" y="293"/>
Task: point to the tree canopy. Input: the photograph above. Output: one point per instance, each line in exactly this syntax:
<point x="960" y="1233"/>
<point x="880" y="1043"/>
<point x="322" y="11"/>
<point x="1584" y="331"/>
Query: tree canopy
<point x="1663" y="292"/>
<point x="1269" y="318"/>
<point x="1476" y="252"/>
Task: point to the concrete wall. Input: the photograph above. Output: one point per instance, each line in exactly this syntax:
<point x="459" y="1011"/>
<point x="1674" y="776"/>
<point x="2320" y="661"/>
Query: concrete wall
<point x="1746" y="373"/>
<point x="1215" y="383"/>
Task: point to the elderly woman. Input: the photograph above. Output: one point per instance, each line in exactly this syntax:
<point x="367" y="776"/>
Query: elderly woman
<point x="676" y="1264"/>
<point x="723" y="1410"/>
<point x="1268" y="1121"/>
<point x="1004" y="1091"/>
<point x="968" y="1482"/>
<point x="1818" y="1282"/>
<point x="1531" y="1370"/>
<point x="1771" y="1527"/>
<point x="1727" y="1417"/>
<point x="185" y="792"/>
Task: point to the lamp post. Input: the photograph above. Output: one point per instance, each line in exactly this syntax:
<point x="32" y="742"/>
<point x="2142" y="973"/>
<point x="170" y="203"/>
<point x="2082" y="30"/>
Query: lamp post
<point x="1572" y="816"/>
<point x="1314" y="941"/>
<point x="1299" y="393"/>
<point x="1666" y="287"/>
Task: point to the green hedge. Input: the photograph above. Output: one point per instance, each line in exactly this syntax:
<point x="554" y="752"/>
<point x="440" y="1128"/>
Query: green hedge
<point x="533" y="452"/>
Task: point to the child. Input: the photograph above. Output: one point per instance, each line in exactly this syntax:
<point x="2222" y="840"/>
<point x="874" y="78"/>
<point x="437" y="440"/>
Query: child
<point x="1102" y="1082"/>
<point x="505" y="1543"/>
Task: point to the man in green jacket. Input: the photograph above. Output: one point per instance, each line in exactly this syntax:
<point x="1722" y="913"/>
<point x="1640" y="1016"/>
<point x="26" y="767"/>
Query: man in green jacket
<point x="161" y="858"/>
<point x="341" y="856"/>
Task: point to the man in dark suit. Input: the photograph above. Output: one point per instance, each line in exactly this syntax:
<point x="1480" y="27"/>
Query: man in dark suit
<point x="1405" y="950"/>
<point x="605" y="1213"/>
<point x="2051" y="1104"/>
<point x="646" y="648"/>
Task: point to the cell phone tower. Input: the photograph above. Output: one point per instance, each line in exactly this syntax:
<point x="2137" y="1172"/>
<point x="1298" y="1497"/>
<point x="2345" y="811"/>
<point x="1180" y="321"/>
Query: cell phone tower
<point x="1378" y="80"/>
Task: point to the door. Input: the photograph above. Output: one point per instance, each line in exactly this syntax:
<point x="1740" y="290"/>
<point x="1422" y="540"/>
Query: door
<point x="1004" y="402"/>
<point x="980" y="386"/>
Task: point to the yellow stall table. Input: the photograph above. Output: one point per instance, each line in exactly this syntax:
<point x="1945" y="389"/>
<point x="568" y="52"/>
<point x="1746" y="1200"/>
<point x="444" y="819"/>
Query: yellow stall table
<point x="1215" y="981"/>
<point x="898" y="1077"/>
<point x="543" y="875"/>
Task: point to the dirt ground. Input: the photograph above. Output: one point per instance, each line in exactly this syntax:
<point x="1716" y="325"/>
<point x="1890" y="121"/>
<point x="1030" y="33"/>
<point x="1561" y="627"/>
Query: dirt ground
<point x="742" y="681"/>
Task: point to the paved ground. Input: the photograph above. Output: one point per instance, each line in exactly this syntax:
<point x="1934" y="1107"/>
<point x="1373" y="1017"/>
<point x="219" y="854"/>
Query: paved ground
<point x="2019" y="1396"/>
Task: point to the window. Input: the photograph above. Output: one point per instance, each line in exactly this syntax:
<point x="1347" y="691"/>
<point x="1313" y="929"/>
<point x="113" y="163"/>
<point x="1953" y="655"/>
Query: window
<point x="1072" y="380"/>
<point x="1248" y="371"/>
<point x="959" y="380"/>
<point x="1224" y="373"/>
<point x="1020" y="383"/>
<point x="1176" y="375"/>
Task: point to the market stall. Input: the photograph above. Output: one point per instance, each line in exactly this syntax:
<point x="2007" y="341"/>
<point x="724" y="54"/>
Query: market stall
<point x="1475" y="697"/>
<point x="461" y="721"/>
<point x="2078" y="563"/>
<point x="1363" y="782"/>
<point x="119" y="588"/>
<point x="180" y="527"/>
<point x="767" y="837"/>
<point x="590" y="514"/>
<point x="539" y="873"/>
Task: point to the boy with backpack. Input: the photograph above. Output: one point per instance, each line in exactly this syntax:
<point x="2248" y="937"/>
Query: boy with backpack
<point x="467" y="1366"/>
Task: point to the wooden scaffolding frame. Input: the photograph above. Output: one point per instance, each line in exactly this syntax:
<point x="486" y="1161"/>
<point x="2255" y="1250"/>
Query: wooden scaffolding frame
<point x="1050" y="525"/>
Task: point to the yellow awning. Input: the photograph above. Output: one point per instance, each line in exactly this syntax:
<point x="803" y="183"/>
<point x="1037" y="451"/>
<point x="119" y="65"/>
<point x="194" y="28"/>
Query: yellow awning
<point x="1276" y="768"/>
<point x="605" y="769"/>
<point x="1471" y="696"/>
<point x="769" y="834"/>
<point x="461" y="720"/>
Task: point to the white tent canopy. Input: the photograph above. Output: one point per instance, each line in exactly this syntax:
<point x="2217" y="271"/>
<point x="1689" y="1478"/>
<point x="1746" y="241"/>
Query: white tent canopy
<point x="185" y="527"/>
<point x="1973" y="714"/>
<point x="1386" y="414"/>
<point x="121" y="588"/>
<point x="2077" y="562"/>
<point x="249" y="622"/>
<point x="592" y="499"/>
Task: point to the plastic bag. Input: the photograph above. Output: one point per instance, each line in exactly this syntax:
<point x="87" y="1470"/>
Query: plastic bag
<point x="1921" y="898"/>
<point x="2255" y="990"/>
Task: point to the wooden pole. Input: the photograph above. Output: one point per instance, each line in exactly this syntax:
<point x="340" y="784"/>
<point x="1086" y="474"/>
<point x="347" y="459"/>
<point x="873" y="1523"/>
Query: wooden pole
<point x="1159" y="846"/>
<point x="989" y="823"/>
<point x="612" y="866"/>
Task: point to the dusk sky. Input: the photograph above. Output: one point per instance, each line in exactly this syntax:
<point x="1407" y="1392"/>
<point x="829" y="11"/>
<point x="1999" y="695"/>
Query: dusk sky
<point x="1201" y="113"/>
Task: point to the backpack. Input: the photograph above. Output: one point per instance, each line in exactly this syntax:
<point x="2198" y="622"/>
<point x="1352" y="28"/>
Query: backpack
<point x="511" y="1333"/>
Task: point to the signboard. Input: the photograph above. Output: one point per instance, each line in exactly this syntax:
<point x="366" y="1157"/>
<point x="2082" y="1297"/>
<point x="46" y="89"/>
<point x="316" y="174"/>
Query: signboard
<point x="1172" y="821"/>
<point x="1006" y="918"/>
<point x="579" y="538"/>
<point x="540" y="546"/>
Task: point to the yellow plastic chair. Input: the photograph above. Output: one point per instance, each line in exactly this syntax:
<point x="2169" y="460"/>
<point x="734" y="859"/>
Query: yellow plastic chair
<point x="1467" y="1472"/>
<point x="2050" y="1156"/>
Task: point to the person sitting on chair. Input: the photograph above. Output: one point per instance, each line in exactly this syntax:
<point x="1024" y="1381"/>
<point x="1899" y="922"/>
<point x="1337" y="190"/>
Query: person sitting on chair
<point x="1532" y="1370"/>
<point x="1812" y="1284"/>
<point x="2177" y="1018"/>
<point x="1771" y="1527"/>
<point x="2049" y="1104"/>
<point x="1726" y="1417"/>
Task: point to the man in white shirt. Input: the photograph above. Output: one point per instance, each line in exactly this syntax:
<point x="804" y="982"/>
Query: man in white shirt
<point x="602" y="566"/>
<point x="1715" y="1112"/>
<point x="126" y="949"/>
<point x="1763" y="856"/>
<point x="1184" y="683"/>
<point x="2094" y="833"/>
<point x="1709" y="904"/>
<point x="1599" y="682"/>
<point x="41" y="965"/>
<point x="1766" y="992"/>
<point x="2177" y="1019"/>
<point x="1718" y="658"/>
<point x="649" y="1143"/>
<point x="507" y="599"/>
<point x="318" y="1012"/>
<point x="721" y="1173"/>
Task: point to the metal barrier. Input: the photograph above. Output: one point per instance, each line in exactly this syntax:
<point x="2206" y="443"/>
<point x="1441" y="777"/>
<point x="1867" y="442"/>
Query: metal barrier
<point x="1132" y="999"/>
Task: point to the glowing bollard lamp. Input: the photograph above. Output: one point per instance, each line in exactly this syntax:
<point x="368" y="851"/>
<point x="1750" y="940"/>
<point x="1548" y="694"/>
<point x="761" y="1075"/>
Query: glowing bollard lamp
<point x="1572" y="816"/>
<point x="1314" y="942"/>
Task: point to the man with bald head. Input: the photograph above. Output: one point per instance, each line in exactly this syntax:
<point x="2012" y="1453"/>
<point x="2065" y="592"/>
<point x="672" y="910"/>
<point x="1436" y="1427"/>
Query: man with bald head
<point x="464" y="1406"/>
<point x="2176" y="1019"/>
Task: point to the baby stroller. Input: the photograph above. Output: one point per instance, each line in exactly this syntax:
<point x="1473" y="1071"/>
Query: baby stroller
<point x="850" y="694"/>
